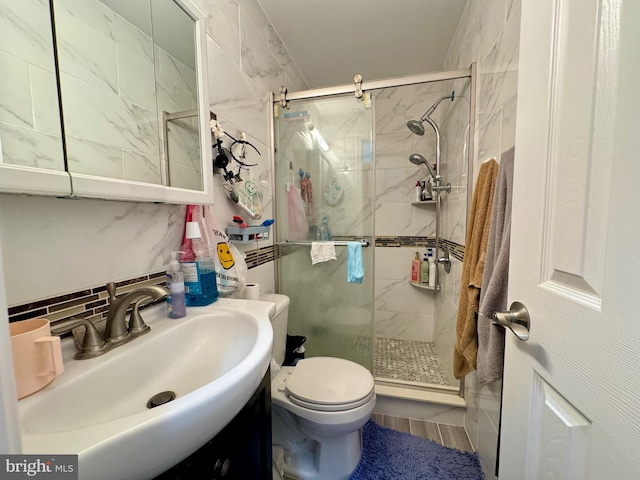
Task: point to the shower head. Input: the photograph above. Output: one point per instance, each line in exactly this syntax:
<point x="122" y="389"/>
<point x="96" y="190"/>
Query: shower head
<point x="418" y="159"/>
<point x="416" y="125"/>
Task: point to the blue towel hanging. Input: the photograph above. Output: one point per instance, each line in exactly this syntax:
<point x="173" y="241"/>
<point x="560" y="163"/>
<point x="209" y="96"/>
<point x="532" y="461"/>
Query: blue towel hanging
<point x="355" y="269"/>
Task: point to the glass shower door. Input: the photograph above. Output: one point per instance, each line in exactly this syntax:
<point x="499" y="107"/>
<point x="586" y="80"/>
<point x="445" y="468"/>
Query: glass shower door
<point x="324" y="188"/>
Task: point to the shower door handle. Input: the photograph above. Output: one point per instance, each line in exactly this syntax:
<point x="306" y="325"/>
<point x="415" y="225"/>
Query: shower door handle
<point x="515" y="319"/>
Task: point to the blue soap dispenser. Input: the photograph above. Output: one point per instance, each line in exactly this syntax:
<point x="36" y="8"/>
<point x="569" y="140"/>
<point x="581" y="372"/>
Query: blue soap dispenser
<point x="199" y="275"/>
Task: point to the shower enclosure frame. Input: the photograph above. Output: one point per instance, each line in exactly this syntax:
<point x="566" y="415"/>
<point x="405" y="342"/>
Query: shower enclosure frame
<point x="431" y="77"/>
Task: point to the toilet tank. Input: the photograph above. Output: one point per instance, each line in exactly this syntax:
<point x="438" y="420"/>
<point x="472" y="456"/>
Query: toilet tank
<point x="279" y="324"/>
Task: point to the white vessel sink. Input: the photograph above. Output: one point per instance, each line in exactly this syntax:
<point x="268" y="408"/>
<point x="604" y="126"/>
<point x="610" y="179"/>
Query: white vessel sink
<point x="213" y="360"/>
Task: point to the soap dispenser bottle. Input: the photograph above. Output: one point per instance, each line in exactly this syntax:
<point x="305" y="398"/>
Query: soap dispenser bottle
<point x="176" y="307"/>
<point x="325" y="233"/>
<point x="199" y="275"/>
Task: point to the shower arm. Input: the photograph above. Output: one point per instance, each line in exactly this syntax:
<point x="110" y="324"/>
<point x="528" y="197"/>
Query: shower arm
<point x="438" y="177"/>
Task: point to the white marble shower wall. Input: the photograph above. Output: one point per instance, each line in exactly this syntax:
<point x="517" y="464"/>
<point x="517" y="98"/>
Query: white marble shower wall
<point x="30" y="133"/>
<point x="455" y="160"/>
<point x="346" y="126"/>
<point x="488" y="33"/>
<point x="345" y="132"/>
<point x="402" y="311"/>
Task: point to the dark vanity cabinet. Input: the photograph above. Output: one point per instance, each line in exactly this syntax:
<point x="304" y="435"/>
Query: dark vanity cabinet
<point x="241" y="451"/>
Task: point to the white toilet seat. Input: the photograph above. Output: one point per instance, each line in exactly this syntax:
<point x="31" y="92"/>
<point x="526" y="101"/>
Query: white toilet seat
<point x="338" y="403"/>
<point x="329" y="382"/>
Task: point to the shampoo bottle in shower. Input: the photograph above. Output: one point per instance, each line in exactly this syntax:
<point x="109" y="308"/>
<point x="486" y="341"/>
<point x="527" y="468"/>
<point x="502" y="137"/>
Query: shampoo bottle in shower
<point x="432" y="272"/>
<point x="417" y="197"/>
<point x="424" y="271"/>
<point x="415" y="269"/>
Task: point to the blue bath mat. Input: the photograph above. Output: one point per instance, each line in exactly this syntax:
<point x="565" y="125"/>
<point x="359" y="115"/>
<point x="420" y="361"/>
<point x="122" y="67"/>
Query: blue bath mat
<point x="391" y="455"/>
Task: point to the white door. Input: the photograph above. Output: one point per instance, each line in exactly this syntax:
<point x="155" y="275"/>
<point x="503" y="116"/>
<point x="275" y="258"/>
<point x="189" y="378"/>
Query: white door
<point x="571" y="401"/>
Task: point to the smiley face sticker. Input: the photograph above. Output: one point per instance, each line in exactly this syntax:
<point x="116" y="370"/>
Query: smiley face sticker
<point x="225" y="256"/>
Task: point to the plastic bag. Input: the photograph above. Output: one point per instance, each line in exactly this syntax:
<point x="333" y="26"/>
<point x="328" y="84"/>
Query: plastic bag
<point x="230" y="266"/>
<point x="246" y="194"/>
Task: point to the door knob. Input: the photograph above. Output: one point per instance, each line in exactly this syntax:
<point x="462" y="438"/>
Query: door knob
<point x="515" y="319"/>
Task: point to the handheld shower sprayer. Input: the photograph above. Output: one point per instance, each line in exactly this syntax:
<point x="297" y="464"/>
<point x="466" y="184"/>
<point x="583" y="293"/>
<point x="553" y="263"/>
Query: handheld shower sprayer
<point x="418" y="159"/>
<point x="416" y="125"/>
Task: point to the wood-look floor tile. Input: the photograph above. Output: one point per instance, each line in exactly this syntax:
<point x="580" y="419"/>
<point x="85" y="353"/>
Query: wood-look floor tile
<point x="425" y="430"/>
<point x="378" y="418"/>
<point x="397" y="423"/>
<point x="455" y="437"/>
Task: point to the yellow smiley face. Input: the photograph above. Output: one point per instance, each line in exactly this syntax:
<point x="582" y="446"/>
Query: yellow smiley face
<point x="225" y="257"/>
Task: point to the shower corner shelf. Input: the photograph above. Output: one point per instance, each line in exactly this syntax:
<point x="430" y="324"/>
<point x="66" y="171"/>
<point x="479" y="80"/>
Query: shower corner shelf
<point x="423" y="202"/>
<point x="424" y="287"/>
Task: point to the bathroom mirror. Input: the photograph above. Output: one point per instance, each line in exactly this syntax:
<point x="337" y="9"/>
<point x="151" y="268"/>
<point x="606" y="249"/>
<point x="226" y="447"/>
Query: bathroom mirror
<point x="133" y="89"/>
<point x="31" y="153"/>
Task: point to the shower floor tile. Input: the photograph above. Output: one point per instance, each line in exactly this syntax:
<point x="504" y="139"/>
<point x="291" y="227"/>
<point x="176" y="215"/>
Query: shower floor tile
<point x="408" y="360"/>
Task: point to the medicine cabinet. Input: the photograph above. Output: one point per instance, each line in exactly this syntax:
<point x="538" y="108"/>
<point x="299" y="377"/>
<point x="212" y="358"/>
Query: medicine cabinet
<point x="129" y="81"/>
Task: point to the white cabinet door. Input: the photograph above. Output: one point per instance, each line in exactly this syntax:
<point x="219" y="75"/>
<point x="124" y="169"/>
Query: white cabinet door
<point x="571" y="403"/>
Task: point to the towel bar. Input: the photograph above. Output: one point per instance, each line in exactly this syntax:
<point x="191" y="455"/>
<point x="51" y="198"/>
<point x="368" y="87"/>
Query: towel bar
<point x="337" y="243"/>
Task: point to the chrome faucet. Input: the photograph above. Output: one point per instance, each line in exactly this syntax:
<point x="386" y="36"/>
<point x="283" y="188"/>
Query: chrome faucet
<point x="116" y="330"/>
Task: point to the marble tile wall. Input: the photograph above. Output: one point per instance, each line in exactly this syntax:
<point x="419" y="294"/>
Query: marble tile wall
<point x="345" y="126"/>
<point x="92" y="302"/>
<point x="400" y="310"/>
<point x="488" y="33"/>
<point x="454" y="168"/>
<point x="334" y="315"/>
<point x="113" y="66"/>
<point x="54" y="246"/>
<point x="30" y="133"/>
<point x="176" y="88"/>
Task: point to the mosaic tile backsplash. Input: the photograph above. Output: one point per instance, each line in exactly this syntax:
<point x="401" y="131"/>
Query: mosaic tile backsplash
<point x="92" y="301"/>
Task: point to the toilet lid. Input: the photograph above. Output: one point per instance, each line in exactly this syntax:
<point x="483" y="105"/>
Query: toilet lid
<point x="321" y="382"/>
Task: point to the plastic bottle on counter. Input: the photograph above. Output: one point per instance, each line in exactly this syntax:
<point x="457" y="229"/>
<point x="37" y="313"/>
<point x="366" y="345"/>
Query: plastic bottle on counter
<point x="199" y="275"/>
<point x="176" y="306"/>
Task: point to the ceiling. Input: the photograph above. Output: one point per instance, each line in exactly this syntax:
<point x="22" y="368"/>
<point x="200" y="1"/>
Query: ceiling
<point x="332" y="40"/>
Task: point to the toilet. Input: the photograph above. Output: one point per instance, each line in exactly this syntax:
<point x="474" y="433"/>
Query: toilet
<point x="318" y="408"/>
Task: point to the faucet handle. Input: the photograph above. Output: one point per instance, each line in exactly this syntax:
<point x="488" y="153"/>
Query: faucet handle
<point x="93" y="345"/>
<point x="111" y="290"/>
<point x="136" y="323"/>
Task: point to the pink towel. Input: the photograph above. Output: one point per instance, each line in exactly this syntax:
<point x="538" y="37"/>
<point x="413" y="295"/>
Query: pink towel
<point x="298" y="226"/>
